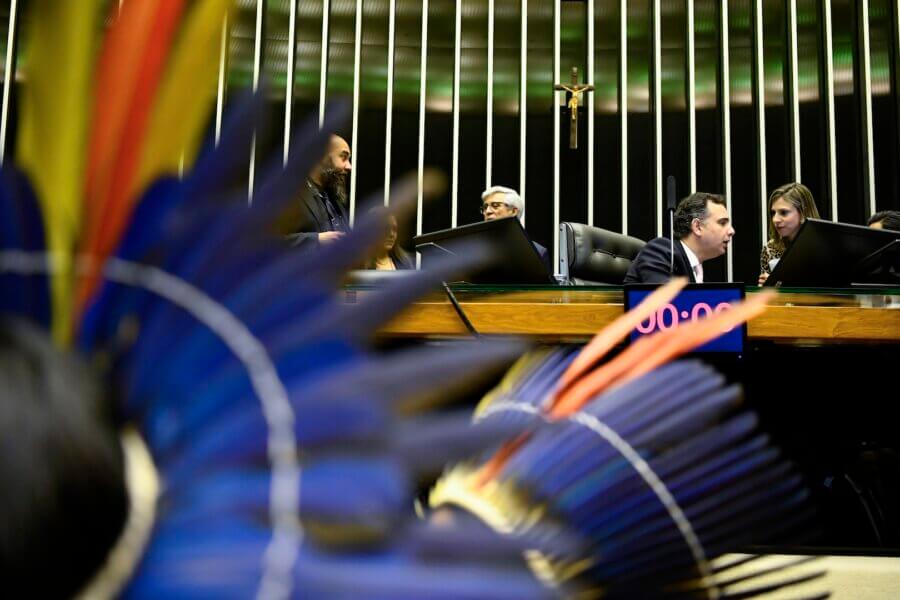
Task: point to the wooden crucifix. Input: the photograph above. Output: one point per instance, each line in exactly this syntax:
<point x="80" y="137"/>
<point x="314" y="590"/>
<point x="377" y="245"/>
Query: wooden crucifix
<point x="574" y="88"/>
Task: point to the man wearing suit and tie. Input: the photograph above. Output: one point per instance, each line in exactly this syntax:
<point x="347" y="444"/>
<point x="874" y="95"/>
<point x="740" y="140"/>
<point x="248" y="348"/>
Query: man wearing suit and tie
<point x="702" y="231"/>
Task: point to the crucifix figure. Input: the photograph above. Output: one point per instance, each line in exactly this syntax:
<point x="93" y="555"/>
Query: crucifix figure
<point x="573" y="88"/>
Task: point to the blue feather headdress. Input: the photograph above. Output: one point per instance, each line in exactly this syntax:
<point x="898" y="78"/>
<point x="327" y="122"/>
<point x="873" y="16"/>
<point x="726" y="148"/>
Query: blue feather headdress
<point x="276" y="436"/>
<point x="652" y="476"/>
<point x="270" y="452"/>
<point x="267" y="450"/>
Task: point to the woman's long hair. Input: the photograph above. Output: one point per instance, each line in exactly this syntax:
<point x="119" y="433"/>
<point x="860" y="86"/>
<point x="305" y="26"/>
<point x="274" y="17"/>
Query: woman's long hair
<point x="798" y="196"/>
<point x="400" y="257"/>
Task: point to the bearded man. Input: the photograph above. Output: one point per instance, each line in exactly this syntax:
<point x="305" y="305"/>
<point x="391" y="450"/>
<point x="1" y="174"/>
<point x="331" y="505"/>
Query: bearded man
<point x="323" y="198"/>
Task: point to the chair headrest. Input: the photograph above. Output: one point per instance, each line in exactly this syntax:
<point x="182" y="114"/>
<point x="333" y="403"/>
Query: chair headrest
<point x="600" y="255"/>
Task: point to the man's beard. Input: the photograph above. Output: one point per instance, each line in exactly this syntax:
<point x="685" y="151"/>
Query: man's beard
<point x="335" y="184"/>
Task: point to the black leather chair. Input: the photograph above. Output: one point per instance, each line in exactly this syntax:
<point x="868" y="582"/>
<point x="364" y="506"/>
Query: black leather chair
<point x="591" y="255"/>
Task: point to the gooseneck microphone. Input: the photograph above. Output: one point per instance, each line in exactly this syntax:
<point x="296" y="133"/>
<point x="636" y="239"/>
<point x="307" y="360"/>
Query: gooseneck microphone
<point x="670" y="208"/>
<point x="453" y="301"/>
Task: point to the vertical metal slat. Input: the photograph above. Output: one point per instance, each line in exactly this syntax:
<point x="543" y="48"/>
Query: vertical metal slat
<point x="623" y="108"/>
<point x="454" y="178"/>
<point x="895" y="75"/>
<point x="9" y="73"/>
<point x="725" y="101"/>
<point x="657" y="117"/>
<point x="423" y="57"/>
<point x="793" y="89"/>
<point x="323" y="61"/>
<point x="691" y="100"/>
<point x="829" y="108"/>
<point x="589" y="103"/>
<point x="523" y="99"/>
<point x="866" y="108"/>
<point x="759" y="83"/>
<point x="223" y="73"/>
<point x="258" y="40"/>
<point x="357" y="43"/>
<point x="289" y="78"/>
<point x="557" y="95"/>
<point x="489" y="137"/>
<point x="389" y="106"/>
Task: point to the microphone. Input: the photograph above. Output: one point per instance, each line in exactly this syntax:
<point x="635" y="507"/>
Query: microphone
<point x="433" y="245"/>
<point x="670" y="193"/>
<point x="670" y="208"/>
<point x="456" y="307"/>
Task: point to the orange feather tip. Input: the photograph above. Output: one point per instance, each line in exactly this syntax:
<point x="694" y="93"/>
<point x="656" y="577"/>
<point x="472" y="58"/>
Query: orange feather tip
<point x="616" y="331"/>
<point x="495" y="464"/>
<point x="652" y="351"/>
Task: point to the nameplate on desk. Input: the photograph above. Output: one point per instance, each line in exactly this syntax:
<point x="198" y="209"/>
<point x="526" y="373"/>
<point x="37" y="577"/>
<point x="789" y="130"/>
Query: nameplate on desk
<point x="694" y="302"/>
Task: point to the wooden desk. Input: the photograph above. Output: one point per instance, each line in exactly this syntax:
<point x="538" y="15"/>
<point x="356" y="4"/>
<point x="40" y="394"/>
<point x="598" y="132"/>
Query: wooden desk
<point x="808" y="345"/>
<point x="555" y="313"/>
<point x="846" y="577"/>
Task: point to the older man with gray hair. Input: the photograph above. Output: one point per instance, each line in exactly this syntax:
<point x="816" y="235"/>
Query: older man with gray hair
<point x="498" y="202"/>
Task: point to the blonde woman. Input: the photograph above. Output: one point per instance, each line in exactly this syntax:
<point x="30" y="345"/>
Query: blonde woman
<point x="789" y="206"/>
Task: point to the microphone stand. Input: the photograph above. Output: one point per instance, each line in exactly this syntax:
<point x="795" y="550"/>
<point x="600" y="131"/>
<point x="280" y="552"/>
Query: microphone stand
<point x="671" y="212"/>
<point x="453" y="301"/>
<point x="670" y="208"/>
<point x="459" y="311"/>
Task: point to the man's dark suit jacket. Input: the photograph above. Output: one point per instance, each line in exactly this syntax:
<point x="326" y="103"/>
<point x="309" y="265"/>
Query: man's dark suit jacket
<point x="545" y="256"/>
<point x="651" y="265"/>
<point x="314" y="217"/>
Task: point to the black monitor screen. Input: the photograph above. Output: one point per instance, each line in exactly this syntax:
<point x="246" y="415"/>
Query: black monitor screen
<point x="693" y="302"/>
<point x="516" y="259"/>
<point x="826" y="254"/>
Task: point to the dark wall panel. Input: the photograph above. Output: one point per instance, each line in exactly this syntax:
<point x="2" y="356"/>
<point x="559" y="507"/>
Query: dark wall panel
<point x="775" y="78"/>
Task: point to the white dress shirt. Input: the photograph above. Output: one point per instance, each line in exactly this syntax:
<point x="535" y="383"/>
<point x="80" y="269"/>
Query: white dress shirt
<point x="696" y="265"/>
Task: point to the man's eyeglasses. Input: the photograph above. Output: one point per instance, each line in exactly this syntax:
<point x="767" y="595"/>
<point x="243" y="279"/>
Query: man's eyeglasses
<point x="495" y="206"/>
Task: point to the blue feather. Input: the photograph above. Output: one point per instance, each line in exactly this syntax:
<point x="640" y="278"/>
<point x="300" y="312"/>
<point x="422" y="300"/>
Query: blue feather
<point x="21" y="228"/>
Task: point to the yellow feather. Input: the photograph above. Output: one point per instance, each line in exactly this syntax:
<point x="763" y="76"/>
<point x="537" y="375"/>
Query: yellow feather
<point x="186" y="94"/>
<point x="54" y="109"/>
<point x="522" y="367"/>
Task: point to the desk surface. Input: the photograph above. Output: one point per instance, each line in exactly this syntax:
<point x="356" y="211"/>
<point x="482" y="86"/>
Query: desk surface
<point x="796" y="315"/>
<point x="846" y="577"/>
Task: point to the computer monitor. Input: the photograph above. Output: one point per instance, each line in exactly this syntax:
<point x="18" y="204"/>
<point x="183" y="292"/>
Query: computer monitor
<point x="827" y="254"/>
<point x="695" y="301"/>
<point x="516" y="259"/>
<point x="882" y="267"/>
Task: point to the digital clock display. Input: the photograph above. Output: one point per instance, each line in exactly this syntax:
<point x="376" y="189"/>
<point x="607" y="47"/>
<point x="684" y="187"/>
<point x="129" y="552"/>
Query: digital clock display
<point x="693" y="302"/>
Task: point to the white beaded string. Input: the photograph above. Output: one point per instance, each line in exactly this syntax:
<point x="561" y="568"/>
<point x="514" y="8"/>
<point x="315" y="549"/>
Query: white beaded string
<point x="284" y="488"/>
